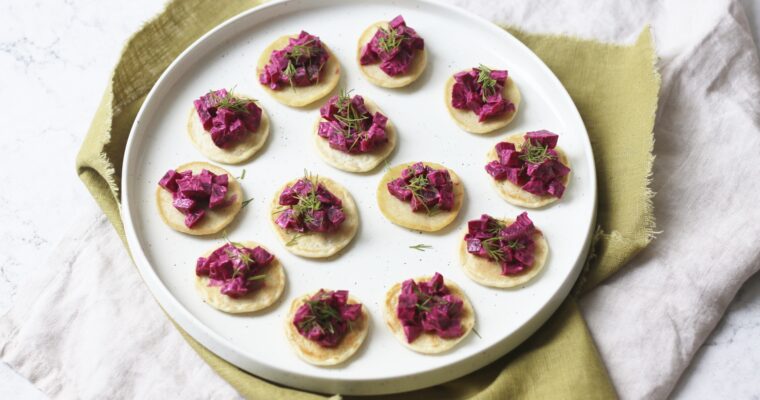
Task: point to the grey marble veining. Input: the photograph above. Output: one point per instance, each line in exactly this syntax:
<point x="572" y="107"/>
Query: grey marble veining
<point x="55" y="59"/>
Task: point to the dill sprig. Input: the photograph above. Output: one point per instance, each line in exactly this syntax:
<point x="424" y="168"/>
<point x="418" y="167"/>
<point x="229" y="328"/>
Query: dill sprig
<point x="535" y="153"/>
<point x="390" y="40"/>
<point x="256" y="277"/>
<point x="242" y="175"/>
<point x="493" y="248"/>
<point x="290" y="71"/>
<point x="416" y="185"/>
<point x="303" y="50"/>
<point x="349" y="118"/>
<point x="423" y="306"/>
<point x="309" y="203"/>
<point x="421" y="247"/>
<point x="495" y="226"/>
<point x="322" y="315"/>
<point x="239" y="254"/>
<point x="280" y="209"/>
<point x="426" y="298"/>
<point x="306" y="50"/>
<point x="293" y="240"/>
<point x="227" y="239"/>
<point x="246" y="202"/>
<point x="230" y="102"/>
<point x="306" y="205"/>
<point x="493" y="245"/>
<point x="425" y="301"/>
<point x="344" y="100"/>
<point x="487" y="83"/>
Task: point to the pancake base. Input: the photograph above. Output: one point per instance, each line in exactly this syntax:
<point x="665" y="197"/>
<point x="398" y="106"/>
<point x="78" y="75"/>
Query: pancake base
<point x="515" y="194"/>
<point x="315" y="354"/>
<point x="360" y="162"/>
<point x="377" y="76"/>
<point x="214" y="220"/>
<point x="400" y="212"/>
<point x="317" y="244"/>
<point x="468" y="120"/>
<point x="427" y="343"/>
<point x="236" y="154"/>
<point x="261" y="298"/>
<point x="488" y="273"/>
<point x="301" y="96"/>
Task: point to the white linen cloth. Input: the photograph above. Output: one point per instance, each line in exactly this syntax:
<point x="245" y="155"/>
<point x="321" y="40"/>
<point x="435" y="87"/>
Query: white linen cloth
<point x="95" y="331"/>
<point x="649" y="320"/>
<point x="87" y="327"/>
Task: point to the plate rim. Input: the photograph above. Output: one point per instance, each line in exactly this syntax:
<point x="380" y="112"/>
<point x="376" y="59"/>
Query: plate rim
<point x="224" y="349"/>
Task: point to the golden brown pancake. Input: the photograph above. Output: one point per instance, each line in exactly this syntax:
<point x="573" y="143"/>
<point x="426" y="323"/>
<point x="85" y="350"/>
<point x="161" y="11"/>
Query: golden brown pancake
<point x="312" y="352"/>
<point x="319" y="244"/>
<point x="515" y="194"/>
<point x="377" y="76"/>
<point x="301" y="96"/>
<point x="400" y="212"/>
<point x="360" y="162"/>
<point x="261" y="298"/>
<point x="428" y="343"/>
<point x="215" y="220"/>
<point x="468" y="120"/>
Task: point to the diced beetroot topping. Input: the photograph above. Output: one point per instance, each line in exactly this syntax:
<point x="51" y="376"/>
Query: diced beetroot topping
<point x="394" y="48"/>
<point x="511" y="246"/>
<point x="193" y="195"/>
<point x="425" y="188"/>
<point x="236" y="269"/>
<point x="480" y="90"/>
<point x="192" y="217"/>
<point x="309" y="206"/>
<point x="535" y="167"/>
<point x="169" y="181"/>
<point x="326" y="317"/>
<point x="227" y="118"/>
<point x="429" y="307"/>
<point x="349" y="127"/>
<point x="298" y="64"/>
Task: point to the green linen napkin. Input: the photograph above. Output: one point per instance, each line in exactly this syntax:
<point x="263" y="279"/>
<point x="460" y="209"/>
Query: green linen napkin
<point x="615" y="89"/>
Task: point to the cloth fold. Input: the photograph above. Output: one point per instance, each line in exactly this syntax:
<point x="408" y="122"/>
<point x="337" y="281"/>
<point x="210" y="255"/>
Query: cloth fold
<point x="651" y="318"/>
<point x="629" y="74"/>
<point x="560" y="358"/>
<point x="706" y="176"/>
<point x="89" y="328"/>
<point x="145" y="57"/>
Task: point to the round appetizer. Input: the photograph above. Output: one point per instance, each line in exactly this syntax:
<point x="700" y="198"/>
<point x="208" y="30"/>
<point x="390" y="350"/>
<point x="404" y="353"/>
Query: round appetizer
<point x="326" y="328"/>
<point x="391" y="54"/>
<point x="239" y="278"/>
<point x="503" y="253"/>
<point x="428" y="315"/>
<point x="529" y="171"/>
<point x="352" y="134"/>
<point x="298" y="70"/>
<point x="482" y="100"/>
<point x="227" y="128"/>
<point x="422" y="196"/>
<point x="198" y="198"/>
<point x="315" y="217"/>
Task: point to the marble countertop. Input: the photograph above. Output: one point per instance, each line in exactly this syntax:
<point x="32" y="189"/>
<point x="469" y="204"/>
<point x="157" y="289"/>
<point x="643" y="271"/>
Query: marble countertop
<point x="64" y="52"/>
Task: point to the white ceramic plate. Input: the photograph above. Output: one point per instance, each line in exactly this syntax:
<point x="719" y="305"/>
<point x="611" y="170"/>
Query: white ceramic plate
<point x="380" y="255"/>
